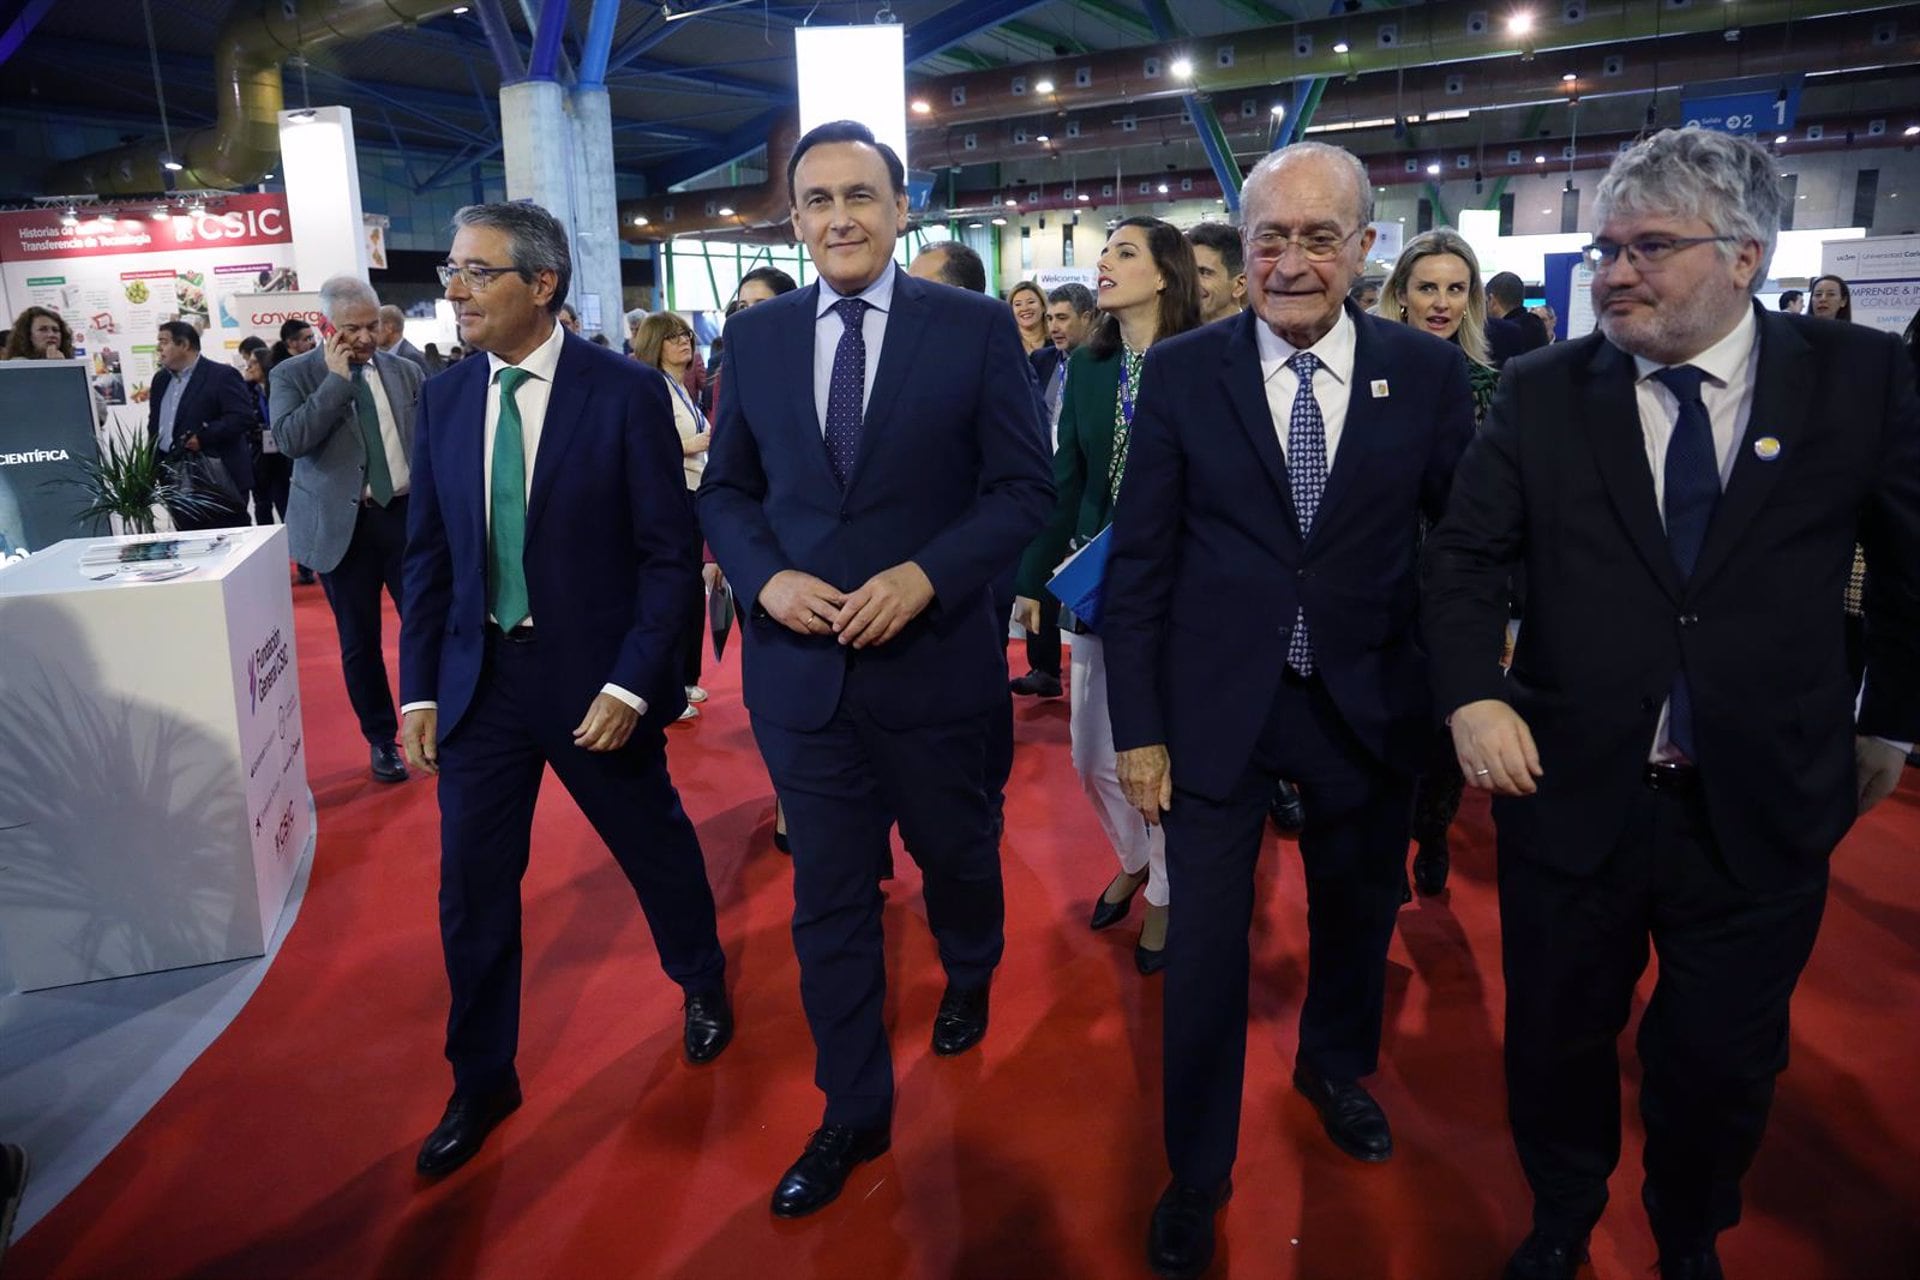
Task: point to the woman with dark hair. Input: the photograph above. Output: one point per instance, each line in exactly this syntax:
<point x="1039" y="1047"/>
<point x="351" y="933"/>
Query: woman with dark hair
<point x="1149" y="290"/>
<point x="1828" y="298"/>
<point x="272" y="469"/>
<point x="761" y="284"/>
<point x="1436" y="288"/>
<point x="665" y="341"/>
<point x="1030" y="313"/>
<point x="39" y="334"/>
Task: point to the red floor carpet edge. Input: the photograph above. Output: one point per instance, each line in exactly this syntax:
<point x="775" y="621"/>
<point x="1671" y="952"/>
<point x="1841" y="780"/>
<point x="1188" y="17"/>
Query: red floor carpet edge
<point x="287" y="1149"/>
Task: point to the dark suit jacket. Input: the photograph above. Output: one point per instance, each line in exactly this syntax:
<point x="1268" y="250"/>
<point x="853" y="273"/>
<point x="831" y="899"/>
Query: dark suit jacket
<point x="1083" y="500"/>
<point x="1559" y="483"/>
<point x="1044" y="362"/>
<point x="951" y="474"/>
<point x="1207" y="566"/>
<point x="1514" y="335"/>
<point x="611" y="572"/>
<point x="407" y="351"/>
<point x="216" y="406"/>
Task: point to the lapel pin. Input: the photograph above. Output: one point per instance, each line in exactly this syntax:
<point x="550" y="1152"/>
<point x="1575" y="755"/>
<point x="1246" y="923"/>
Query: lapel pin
<point x="1379" y="388"/>
<point x="1766" y="448"/>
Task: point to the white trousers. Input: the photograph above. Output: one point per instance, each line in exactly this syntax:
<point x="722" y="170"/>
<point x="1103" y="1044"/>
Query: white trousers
<point x="1139" y="845"/>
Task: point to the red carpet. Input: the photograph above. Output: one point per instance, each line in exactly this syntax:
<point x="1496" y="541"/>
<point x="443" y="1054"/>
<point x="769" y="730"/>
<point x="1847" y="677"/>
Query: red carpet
<point x="287" y="1150"/>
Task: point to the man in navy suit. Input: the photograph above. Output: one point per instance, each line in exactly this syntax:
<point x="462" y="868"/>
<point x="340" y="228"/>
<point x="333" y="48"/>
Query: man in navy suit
<point x="202" y="407"/>
<point x="866" y="522"/>
<point x="1259" y="624"/>
<point x="549" y="572"/>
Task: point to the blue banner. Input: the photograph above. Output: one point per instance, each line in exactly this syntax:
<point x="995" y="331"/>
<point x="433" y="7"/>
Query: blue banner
<point x="1758" y="104"/>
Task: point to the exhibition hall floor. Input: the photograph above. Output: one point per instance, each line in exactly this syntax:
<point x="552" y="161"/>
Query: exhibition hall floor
<point x="287" y="1148"/>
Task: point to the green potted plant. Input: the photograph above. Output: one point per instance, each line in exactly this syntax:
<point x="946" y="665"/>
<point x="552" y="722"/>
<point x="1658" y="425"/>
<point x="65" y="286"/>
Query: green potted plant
<point x="129" y="479"/>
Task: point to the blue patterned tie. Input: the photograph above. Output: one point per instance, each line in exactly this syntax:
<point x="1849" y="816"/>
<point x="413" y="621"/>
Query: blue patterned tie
<point x="1307" y="477"/>
<point x="847" y="390"/>
<point x="1692" y="488"/>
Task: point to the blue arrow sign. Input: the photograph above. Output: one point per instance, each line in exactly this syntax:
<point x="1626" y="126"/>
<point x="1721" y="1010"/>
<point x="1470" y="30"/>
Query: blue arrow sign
<point x="1757" y="104"/>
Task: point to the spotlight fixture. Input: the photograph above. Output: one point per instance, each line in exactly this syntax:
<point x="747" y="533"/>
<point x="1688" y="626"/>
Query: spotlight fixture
<point x="1341" y="46"/>
<point x="1182" y="68"/>
<point x="1780" y="140"/>
<point x="1911" y="131"/>
<point x="459" y="9"/>
<point x="639" y="219"/>
<point x="1279" y="111"/>
<point x="170" y="164"/>
<point x="1044" y="86"/>
<point x="1569" y="78"/>
<point x="1012" y="203"/>
<point x="976" y="224"/>
<point x="1041" y="138"/>
<point x="922" y="107"/>
<point x="1163" y="188"/>
<point x="266" y="177"/>
<point x="1084" y="197"/>
<point x="160" y="213"/>
<point x="1539" y="159"/>
<point x="999" y="222"/>
<point x="724" y="211"/>
<point x="1520" y="23"/>
<point x="1433" y="170"/>
<point x="72" y="214"/>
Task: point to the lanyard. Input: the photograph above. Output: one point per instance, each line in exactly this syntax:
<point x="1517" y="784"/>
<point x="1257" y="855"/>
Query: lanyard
<point x="699" y="419"/>
<point x="1127" y="359"/>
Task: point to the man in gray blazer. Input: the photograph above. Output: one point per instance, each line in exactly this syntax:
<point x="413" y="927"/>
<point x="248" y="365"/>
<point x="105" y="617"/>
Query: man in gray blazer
<point x="393" y="338"/>
<point x="344" y="413"/>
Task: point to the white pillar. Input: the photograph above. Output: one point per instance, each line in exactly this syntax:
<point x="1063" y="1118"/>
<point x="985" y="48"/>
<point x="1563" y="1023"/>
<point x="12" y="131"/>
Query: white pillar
<point x="537" y="144"/>
<point x="322" y="176"/>
<point x="596" y="222"/>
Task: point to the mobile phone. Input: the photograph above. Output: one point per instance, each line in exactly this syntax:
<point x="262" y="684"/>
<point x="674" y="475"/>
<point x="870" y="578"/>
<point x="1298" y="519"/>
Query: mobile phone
<point x="324" y="327"/>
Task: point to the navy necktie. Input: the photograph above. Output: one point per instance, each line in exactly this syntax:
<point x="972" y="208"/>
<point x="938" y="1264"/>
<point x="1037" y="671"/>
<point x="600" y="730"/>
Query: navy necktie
<point x="847" y="390"/>
<point x="1307" y="477"/>
<point x="1691" y="490"/>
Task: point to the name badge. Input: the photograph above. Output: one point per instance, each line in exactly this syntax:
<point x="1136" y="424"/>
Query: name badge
<point x="1380" y="389"/>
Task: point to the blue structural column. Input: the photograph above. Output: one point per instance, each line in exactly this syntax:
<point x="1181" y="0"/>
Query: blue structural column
<point x="596" y="225"/>
<point x="1213" y="138"/>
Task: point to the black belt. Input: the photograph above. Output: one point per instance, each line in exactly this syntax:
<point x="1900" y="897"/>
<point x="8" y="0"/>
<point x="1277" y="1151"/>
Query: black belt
<point x="522" y="634"/>
<point x="1671" y="775"/>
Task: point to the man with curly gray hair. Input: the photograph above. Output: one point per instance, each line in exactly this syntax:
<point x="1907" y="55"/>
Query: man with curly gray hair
<point x="1676" y="749"/>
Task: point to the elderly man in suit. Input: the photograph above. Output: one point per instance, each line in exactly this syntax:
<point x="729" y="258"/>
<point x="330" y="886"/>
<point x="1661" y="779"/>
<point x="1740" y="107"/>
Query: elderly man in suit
<point x="393" y="338"/>
<point x="202" y="408"/>
<point x="344" y="413"/>
<point x="1259" y="624"/>
<point x="1676" y="748"/>
<point x="550" y="569"/>
<point x="866" y="523"/>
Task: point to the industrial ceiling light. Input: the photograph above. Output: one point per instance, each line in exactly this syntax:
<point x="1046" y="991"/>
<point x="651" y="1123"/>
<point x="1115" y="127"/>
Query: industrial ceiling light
<point x="1084" y="197"/>
<point x="1182" y="68"/>
<point x="724" y="211"/>
<point x="1433" y="170"/>
<point x="1780" y="140"/>
<point x="1569" y="78"/>
<point x="1163" y="188"/>
<point x="1912" y="130"/>
<point x="1041" y="138"/>
<point x="639" y="219"/>
<point x="999" y="222"/>
<point x="922" y="107"/>
<point x="1279" y="111"/>
<point x="170" y="164"/>
<point x="459" y="9"/>
<point x="1340" y="46"/>
<point x="1046" y="86"/>
<point x="1520" y="23"/>
<point x="1539" y="159"/>
<point x="1012" y="203"/>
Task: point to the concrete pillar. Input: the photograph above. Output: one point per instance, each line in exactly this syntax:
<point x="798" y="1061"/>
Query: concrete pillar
<point x="536" y="137"/>
<point x="596" y="221"/>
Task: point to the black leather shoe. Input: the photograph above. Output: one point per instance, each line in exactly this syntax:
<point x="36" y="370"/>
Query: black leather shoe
<point x="1036" y="684"/>
<point x="1111" y="913"/>
<point x="1544" y="1255"/>
<point x="780" y="843"/>
<point x="962" y="1020"/>
<point x="1149" y="961"/>
<point x="1430" y="866"/>
<point x="303" y="576"/>
<point x="1288" y="814"/>
<point x="821" y="1171"/>
<point x="388" y="764"/>
<point x="466" y="1124"/>
<point x="709" y="1025"/>
<point x="1348" y="1113"/>
<point x="1694" y="1264"/>
<point x="1180" y="1239"/>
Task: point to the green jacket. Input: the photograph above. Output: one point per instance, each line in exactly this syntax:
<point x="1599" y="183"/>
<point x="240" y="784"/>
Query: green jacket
<point x="1082" y="504"/>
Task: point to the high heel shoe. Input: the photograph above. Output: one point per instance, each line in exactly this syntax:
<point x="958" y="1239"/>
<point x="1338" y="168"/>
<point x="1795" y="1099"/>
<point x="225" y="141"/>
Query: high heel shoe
<point x="1150" y="960"/>
<point x="1110" y="913"/>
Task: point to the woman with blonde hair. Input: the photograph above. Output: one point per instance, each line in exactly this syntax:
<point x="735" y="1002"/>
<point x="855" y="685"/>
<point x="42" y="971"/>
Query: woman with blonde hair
<point x="1436" y="288"/>
<point x="1030" y="313"/>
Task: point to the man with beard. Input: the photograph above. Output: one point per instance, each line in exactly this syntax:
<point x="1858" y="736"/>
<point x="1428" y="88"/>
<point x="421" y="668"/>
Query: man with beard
<point x="1676" y="749"/>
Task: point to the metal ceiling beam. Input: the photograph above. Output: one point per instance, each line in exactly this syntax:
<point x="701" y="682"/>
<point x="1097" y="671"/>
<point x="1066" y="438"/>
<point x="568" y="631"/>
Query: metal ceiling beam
<point x="545" y="62"/>
<point x="698" y="80"/>
<point x="1119" y="15"/>
<point x="599" y="46"/>
<point x="1047" y="40"/>
<point x="21" y="27"/>
<point x="749" y="137"/>
<point x="1213" y="139"/>
<point x="499" y="34"/>
<point x="961" y="22"/>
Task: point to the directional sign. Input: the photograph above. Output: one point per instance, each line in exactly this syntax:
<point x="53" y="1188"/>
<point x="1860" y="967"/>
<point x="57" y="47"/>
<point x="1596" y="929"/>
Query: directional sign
<point x="1757" y="104"/>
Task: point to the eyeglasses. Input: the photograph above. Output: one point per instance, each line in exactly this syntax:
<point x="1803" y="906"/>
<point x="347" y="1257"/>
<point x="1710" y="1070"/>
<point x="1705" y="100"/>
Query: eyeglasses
<point x="475" y="279"/>
<point x="1320" y="246"/>
<point x="1646" y="252"/>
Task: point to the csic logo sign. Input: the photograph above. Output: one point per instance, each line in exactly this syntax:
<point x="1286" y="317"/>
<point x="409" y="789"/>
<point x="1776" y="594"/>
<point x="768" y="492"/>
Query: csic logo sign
<point x="250" y="225"/>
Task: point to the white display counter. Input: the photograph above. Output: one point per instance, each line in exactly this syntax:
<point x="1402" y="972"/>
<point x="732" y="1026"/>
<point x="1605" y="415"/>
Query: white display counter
<point x="153" y="774"/>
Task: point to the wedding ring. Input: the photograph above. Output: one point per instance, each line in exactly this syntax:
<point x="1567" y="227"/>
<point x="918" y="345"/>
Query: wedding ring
<point x="1481" y="773"/>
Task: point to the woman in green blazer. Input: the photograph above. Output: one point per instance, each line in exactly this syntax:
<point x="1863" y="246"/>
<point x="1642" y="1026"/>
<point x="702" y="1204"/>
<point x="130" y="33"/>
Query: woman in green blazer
<point x="1149" y="289"/>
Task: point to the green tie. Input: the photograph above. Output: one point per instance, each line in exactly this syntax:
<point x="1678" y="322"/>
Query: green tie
<point x="379" y="478"/>
<point x="508" y="539"/>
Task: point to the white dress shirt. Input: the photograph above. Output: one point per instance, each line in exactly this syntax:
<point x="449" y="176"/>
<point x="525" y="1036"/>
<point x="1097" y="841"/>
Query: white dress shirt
<point x="531" y="399"/>
<point x="827" y="328"/>
<point x="389" y="434"/>
<point x="1335" y="351"/>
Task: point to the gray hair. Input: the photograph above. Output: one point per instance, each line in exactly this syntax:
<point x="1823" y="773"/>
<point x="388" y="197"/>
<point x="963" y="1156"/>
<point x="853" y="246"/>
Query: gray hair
<point x="347" y="291"/>
<point x="1729" y="182"/>
<point x="535" y="239"/>
<point x="1362" y="184"/>
<point x="390" y="314"/>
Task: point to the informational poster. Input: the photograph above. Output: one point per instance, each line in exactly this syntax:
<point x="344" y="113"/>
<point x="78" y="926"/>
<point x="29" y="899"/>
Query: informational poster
<point x="1882" y="275"/>
<point x="46" y="434"/>
<point x="260" y="315"/>
<point x="116" y="274"/>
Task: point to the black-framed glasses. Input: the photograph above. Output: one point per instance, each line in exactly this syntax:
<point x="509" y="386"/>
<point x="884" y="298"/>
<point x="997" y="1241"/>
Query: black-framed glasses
<point x="475" y="278"/>
<point x="1647" y="251"/>
<point x="1319" y="246"/>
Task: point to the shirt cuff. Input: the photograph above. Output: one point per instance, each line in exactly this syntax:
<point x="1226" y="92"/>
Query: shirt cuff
<point x="633" y="700"/>
<point x="1904" y="748"/>
<point x="418" y="706"/>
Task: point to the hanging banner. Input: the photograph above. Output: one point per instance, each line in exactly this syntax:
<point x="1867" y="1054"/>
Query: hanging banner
<point x="1882" y="275"/>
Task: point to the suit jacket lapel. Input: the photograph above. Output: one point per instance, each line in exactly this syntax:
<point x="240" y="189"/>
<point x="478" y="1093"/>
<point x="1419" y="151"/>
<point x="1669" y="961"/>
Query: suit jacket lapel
<point x="1782" y="405"/>
<point x="793" y="367"/>
<point x="396" y="403"/>
<point x="1246" y="391"/>
<point x="906" y="322"/>
<point x="465" y="434"/>
<point x="1366" y="416"/>
<point x="1609" y="416"/>
<point x="566" y="412"/>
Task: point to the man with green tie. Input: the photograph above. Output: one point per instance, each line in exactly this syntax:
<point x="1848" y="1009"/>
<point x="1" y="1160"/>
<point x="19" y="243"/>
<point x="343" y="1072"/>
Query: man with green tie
<point x="343" y="412"/>
<point x="550" y="570"/>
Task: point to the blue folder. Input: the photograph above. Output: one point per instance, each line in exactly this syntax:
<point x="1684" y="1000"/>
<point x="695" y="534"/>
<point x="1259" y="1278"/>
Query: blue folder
<point x="1080" y="582"/>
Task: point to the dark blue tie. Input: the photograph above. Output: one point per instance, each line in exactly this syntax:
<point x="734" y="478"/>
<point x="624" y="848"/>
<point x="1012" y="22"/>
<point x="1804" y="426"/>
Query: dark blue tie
<point x="1307" y="476"/>
<point x="1692" y="487"/>
<point x="847" y="390"/>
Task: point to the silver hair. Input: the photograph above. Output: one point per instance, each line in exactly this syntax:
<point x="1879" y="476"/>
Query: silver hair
<point x="390" y="314"/>
<point x="1728" y="182"/>
<point x="1362" y="184"/>
<point x="537" y="241"/>
<point x="346" y="291"/>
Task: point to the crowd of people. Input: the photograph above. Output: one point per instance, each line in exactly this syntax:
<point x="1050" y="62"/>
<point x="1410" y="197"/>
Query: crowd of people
<point x="1361" y="545"/>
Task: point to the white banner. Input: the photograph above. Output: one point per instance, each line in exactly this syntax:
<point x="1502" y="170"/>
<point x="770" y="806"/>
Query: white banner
<point x="1882" y="275"/>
